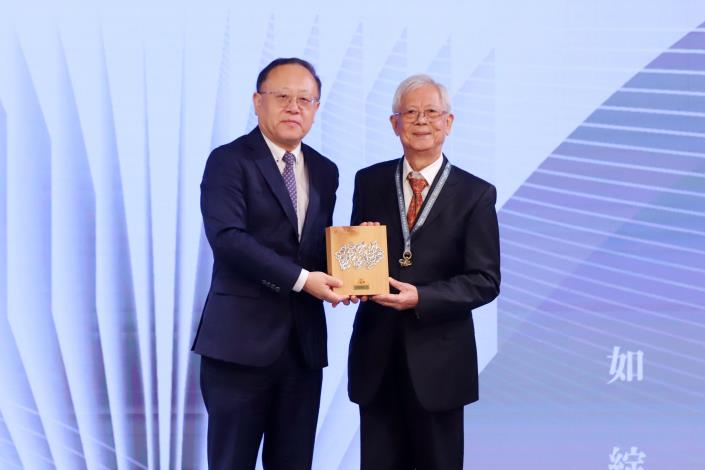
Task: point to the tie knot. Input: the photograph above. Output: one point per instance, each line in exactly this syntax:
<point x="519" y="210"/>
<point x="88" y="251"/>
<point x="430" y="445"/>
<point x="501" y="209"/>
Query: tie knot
<point x="417" y="184"/>
<point x="289" y="158"/>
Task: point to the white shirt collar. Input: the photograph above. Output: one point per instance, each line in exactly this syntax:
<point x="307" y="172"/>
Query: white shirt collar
<point x="279" y="152"/>
<point x="429" y="173"/>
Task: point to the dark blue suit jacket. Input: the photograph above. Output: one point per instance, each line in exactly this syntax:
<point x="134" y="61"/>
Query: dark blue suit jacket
<point x="251" y="227"/>
<point x="455" y="269"/>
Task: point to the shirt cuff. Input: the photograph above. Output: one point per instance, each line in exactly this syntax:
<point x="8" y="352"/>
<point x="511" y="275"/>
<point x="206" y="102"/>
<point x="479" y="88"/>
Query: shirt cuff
<point x="299" y="284"/>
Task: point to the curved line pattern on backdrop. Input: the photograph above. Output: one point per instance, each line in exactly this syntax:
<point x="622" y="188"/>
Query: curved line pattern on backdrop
<point x="603" y="246"/>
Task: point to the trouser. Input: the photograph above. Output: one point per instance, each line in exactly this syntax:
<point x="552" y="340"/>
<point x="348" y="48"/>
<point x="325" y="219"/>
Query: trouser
<point x="278" y="402"/>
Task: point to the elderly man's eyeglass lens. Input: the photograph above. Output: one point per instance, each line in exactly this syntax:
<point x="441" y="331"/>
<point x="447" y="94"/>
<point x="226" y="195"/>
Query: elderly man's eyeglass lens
<point x="411" y="115"/>
<point x="283" y="99"/>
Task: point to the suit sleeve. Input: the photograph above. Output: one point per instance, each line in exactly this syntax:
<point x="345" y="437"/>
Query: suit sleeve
<point x="357" y="209"/>
<point x="478" y="283"/>
<point x="224" y="210"/>
<point x="336" y="181"/>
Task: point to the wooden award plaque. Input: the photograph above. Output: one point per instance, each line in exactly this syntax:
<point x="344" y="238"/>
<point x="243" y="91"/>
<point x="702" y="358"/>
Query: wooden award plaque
<point x="358" y="257"/>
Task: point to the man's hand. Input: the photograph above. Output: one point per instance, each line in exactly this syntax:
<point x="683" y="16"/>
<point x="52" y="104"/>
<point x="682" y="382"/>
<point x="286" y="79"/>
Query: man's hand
<point x="407" y="298"/>
<point x="320" y="285"/>
<point x="347" y="300"/>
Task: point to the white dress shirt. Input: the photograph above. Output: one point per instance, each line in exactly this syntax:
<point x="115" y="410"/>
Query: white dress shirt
<point x="301" y="175"/>
<point x="429" y="174"/>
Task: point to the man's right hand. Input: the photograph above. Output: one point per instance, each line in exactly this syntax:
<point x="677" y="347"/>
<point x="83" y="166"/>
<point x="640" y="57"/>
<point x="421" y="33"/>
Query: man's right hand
<point x="320" y="285"/>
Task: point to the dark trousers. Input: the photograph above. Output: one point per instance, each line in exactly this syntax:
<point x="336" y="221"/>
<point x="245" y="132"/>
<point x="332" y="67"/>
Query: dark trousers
<point x="397" y="433"/>
<point x="279" y="402"/>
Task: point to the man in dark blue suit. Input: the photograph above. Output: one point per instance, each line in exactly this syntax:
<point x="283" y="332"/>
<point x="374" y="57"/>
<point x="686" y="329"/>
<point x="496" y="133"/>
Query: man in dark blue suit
<point x="413" y="361"/>
<point x="266" y="199"/>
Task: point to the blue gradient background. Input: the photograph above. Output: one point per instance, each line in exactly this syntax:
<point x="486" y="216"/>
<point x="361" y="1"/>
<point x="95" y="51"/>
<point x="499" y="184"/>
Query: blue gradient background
<point x="589" y="117"/>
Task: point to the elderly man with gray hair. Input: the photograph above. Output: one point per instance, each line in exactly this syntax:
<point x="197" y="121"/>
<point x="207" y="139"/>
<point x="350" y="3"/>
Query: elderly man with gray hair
<point x="413" y="360"/>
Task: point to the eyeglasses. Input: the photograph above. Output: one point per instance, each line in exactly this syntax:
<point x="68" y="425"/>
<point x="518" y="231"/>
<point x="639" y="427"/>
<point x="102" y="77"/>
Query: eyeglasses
<point x="283" y="99"/>
<point x="412" y="115"/>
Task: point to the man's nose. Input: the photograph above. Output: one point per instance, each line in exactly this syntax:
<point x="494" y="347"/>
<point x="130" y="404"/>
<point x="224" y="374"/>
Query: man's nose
<point x="292" y="106"/>
<point x="421" y="119"/>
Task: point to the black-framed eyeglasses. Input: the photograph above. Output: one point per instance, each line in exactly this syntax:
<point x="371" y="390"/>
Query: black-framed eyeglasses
<point x="283" y="99"/>
<point x="412" y="115"/>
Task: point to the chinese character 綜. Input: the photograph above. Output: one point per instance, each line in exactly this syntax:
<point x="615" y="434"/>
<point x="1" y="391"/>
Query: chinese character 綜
<point x="631" y="460"/>
<point x="626" y="366"/>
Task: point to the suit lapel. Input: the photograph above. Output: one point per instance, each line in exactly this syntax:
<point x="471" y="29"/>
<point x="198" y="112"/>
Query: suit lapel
<point x="314" y="193"/>
<point x="391" y="202"/>
<point x="265" y="162"/>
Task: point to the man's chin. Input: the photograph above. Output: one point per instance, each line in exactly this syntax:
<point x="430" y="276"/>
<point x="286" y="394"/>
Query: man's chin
<point x="292" y="137"/>
<point x="422" y="148"/>
<point x="291" y="141"/>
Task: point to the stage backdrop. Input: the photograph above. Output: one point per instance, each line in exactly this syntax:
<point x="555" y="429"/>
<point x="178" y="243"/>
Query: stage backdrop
<point x="588" y="116"/>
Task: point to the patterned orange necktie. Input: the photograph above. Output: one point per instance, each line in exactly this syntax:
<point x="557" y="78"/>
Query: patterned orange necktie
<point x="417" y="186"/>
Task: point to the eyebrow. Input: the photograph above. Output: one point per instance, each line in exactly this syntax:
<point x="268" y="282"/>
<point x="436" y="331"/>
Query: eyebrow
<point x="286" y="88"/>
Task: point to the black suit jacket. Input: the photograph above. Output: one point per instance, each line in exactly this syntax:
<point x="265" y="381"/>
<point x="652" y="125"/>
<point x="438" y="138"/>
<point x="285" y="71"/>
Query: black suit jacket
<point x="251" y="227"/>
<point x="455" y="269"/>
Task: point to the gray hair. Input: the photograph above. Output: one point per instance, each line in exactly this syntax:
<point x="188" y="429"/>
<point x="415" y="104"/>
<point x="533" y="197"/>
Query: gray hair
<point x="417" y="81"/>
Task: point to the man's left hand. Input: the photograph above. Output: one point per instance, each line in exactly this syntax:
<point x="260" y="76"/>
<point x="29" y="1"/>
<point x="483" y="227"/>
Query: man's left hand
<point x="407" y="298"/>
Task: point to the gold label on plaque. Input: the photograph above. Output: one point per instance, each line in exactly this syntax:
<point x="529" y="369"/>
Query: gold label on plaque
<point x="361" y="285"/>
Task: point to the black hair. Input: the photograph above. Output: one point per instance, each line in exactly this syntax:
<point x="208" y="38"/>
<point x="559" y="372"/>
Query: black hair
<point x="286" y="61"/>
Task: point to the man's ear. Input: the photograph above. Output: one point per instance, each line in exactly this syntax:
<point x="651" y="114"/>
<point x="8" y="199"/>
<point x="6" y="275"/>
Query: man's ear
<point x="256" y="101"/>
<point x="394" y="120"/>
<point x="449" y="122"/>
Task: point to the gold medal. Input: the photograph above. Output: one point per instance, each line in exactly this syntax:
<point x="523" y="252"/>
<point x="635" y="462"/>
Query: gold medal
<point x="405" y="260"/>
